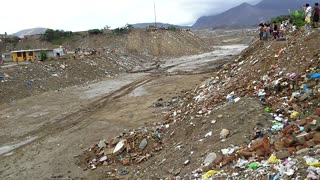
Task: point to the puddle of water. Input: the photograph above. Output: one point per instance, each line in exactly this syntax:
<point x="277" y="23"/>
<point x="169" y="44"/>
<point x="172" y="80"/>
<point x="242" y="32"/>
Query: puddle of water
<point x="190" y="63"/>
<point x="8" y="148"/>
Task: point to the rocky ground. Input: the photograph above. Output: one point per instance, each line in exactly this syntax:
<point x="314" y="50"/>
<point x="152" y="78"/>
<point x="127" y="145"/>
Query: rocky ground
<point x="116" y="54"/>
<point x="252" y="116"/>
<point x="256" y="118"/>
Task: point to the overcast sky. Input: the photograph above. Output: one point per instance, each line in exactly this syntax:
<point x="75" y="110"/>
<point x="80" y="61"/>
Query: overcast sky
<point x="79" y="15"/>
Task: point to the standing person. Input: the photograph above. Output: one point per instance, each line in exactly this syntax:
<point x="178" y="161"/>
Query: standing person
<point x="260" y="28"/>
<point x="270" y="29"/>
<point x="275" y="30"/>
<point x="282" y="29"/>
<point x="1" y="60"/>
<point x="267" y="31"/>
<point x="307" y="12"/>
<point x="315" y="15"/>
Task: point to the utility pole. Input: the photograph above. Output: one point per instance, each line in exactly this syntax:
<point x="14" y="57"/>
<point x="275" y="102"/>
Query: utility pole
<point x="155" y="14"/>
<point x="5" y="41"/>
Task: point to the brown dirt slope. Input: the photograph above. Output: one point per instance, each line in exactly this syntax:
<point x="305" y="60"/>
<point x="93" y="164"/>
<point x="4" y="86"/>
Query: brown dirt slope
<point x="267" y="74"/>
<point x="116" y="54"/>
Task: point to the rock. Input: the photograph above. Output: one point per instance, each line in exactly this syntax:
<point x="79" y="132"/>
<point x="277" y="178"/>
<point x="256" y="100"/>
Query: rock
<point x="300" y="140"/>
<point x="316" y="137"/>
<point x="316" y="126"/>
<point x="108" y="151"/>
<point x="143" y="144"/>
<point x="302" y="122"/>
<point x="209" y="159"/>
<point x="302" y="151"/>
<point x="245" y="154"/>
<point x="306" y="95"/>
<point x="292" y="150"/>
<point x="278" y="145"/>
<point x="309" y="144"/>
<point x="224" y="133"/>
<point x="177" y="172"/>
<point x="282" y="154"/>
<point x="288" y="141"/>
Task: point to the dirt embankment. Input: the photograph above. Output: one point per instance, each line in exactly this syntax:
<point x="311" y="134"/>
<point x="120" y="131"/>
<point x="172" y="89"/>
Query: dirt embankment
<point x="264" y="102"/>
<point x="116" y="54"/>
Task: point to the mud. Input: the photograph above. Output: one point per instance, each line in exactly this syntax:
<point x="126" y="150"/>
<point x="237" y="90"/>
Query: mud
<point x="43" y="135"/>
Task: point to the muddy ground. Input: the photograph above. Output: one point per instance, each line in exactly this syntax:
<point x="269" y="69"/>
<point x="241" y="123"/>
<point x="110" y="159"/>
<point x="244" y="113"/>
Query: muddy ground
<point x="43" y="135"/>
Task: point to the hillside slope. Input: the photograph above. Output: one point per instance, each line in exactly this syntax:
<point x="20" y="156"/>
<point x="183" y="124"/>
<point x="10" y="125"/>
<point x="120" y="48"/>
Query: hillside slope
<point x="32" y="31"/>
<point x="246" y="15"/>
<point x="115" y="54"/>
<point x="264" y="103"/>
<point x="138" y="41"/>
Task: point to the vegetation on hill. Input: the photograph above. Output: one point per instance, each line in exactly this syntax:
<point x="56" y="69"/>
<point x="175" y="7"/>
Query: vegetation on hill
<point x="296" y="18"/>
<point x="123" y="30"/>
<point x="56" y="37"/>
<point x="95" y="31"/>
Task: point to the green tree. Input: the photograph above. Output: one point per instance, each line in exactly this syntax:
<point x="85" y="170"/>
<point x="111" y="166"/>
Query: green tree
<point x="43" y="55"/>
<point x="56" y="35"/>
<point x="172" y="28"/>
<point x="296" y="18"/>
<point x="95" y="31"/>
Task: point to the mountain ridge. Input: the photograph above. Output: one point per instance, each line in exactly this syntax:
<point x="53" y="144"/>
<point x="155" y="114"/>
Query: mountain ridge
<point x="246" y="14"/>
<point x="30" y="31"/>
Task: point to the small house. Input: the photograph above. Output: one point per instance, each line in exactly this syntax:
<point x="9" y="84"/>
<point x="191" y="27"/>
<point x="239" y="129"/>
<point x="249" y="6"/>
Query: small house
<point x="31" y="54"/>
<point x="6" y="57"/>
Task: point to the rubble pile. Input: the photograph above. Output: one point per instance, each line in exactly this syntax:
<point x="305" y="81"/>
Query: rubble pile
<point x="132" y="147"/>
<point x="258" y="117"/>
<point x="25" y="80"/>
<point x="291" y="98"/>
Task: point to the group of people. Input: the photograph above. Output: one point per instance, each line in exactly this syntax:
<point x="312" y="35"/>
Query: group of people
<point x="269" y="30"/>
<point x="311" y="12"/>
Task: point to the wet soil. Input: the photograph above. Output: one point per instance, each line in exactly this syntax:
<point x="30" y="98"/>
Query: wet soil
<point x="43" y="135"/>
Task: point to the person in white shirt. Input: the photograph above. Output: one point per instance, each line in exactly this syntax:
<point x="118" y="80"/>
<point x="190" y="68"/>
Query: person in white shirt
<point x="307" y="11"/>
<point x="282" y="29"/>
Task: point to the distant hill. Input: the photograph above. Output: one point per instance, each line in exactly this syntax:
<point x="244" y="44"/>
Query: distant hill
<point x="31" y="31"/>
<point x="165" y="25"/>
<point x="246" y="14"/>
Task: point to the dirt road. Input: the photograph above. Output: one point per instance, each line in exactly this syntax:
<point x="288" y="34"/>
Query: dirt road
<point x="42" y="135"/>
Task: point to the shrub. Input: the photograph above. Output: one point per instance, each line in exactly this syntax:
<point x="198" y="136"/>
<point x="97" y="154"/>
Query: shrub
<point x="43" y="55"/>
<point x="296" y="18"/>
<point x="123" y="30"/>
<point x="95" y="31"/>
<point x="56" y="35"/>
<point x="172" y="28"/>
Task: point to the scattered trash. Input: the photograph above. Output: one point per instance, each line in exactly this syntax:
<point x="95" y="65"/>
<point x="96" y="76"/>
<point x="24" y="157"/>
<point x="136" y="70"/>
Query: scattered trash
<point x="209" y="173"/>
<point x="29" y="83"/>
<point x="2" y="76"/>
<point x="123" y="171"/>
<point x="272" y="159"/>
<point x="209" y="159"/>
<point x="143" y="144"/>
<point x="208" y="134"/>
<point x="102" y="144"/>
<point x="253" y="165"/>
<point x="103" y="158"/>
